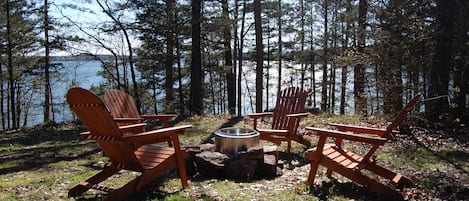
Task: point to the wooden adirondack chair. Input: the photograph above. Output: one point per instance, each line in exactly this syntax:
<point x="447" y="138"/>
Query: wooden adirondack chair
<point x="351" y="165"/>
<point x="286" y="118"/>
<point x="126" y="152"/>
<point x="124" y="111"/>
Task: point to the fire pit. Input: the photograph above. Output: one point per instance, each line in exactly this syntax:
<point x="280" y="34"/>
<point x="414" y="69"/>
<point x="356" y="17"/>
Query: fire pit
<point x="235" y="153"/>
<point x="234" y="140"/>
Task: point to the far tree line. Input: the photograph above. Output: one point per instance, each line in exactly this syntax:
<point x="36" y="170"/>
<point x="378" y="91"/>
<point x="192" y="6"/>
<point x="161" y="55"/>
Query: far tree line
<point x="187" y="57"/>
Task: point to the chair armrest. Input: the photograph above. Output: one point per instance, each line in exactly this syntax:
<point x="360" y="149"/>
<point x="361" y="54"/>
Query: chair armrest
<point x="348" y="136"/>
<point x="364" y="130"/>
<point x="256" y="116"/>
<point x="132" y="127"/>
<point x="298" y="115"/>
<point x="128" y="120"/>
<point x="162" y="117"/>
<point x="127" y="128"/>
<point x="159" y="116"/>
<point x="156" y="134"/>
<point x="85" y="134"/>
<point x="260" y="115"/>
<point x="273" y="131"/>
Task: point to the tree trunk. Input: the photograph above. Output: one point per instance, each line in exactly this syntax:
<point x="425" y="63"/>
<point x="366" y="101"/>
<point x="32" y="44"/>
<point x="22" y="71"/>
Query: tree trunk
<point x="230" y="72"/>
<point x="196" y="62"/>
<point x="461" y="65"/>
<point x="154" y="87"/>
<point x="237" y="57"/>
<point x="312" y="60"/>
<point x="267" y="80"/>
<point x="280" y="46"/>
<point x="325" y="57"/>
<point x="47" y="94"/>
<point x="181" y="93"/>
<point x="359" y="69"/>
<point x="170" y="23"/>
<point x="302" y="50"/>
<point x="438" y="109"/>
<point x="129" y="47"/>
<point x="211" y="87"/>
<point x="2" y="97"/>
<point x="344" y="67"/>
<point x="259" y="55"/>
<point x="18" y="107"/>
<point x="330" y="86"/>
<point x="332" y="79"/>
<point x="11" y="79"/>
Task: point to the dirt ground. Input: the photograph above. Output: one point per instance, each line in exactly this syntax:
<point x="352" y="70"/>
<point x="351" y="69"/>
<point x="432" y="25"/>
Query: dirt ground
<point x="436" y="159"/>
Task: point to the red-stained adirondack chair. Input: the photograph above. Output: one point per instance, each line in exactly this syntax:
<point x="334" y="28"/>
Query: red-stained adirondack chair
<point x="351" y="165"/>
<point x="286" y="117"/>
<point x="123" y="109"/>
<point x="126" y="152"/>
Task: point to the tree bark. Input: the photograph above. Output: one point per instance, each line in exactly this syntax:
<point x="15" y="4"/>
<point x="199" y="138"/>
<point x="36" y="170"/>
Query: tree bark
<point x="181" y="94"/>
<point x="359" y="69"/>
<point x="312" y="60"/>
<point x="302" y="50"/>
<point x="230" y="71"/>
<point x="11" y="81"/>
<point x="259" y="55"/>
<point x="344" y="67"/>
<point x="438" y="109"/>
<point x="47" y="91"/>
<point x="170" y="23"/>
<point x="325" y="57"/>
<point x="2" y="97"/>
<point x="280" y="46"/>
<point x="461" y="65"/>
<point x="196" y="62"/>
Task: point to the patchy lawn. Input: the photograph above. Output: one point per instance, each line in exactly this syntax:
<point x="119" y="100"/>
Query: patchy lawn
<point x="43" y="163"/>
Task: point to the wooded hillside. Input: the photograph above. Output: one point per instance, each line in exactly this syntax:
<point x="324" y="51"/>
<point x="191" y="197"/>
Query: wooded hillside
<point x="363" y="56"/>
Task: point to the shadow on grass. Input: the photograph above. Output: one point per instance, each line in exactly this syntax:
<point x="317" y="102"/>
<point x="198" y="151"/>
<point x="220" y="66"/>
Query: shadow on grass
<point x="453" y="157"/>
<point x="148" y="193"/>
<point x="348" y="190"/>
<point x="32" y="149"/>
<point x="151" y="191"/>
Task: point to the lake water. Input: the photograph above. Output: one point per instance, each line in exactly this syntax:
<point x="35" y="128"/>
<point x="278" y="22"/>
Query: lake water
<point x="85" y="74"/>
<point x="82" y="72"/>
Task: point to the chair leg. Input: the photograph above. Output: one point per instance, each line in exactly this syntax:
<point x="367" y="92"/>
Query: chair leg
<point x="181" y="167"/>
<point x="95" y="179"/>
<point x="329" y="173"/>
<point x="312" y="172"/>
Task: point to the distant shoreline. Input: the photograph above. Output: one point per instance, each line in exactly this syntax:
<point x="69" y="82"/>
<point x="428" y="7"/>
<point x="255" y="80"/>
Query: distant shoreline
<point x="83" y="57"/>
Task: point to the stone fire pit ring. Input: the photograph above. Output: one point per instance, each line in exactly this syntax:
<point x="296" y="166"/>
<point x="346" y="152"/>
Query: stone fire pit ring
<point x="233" y="140"/>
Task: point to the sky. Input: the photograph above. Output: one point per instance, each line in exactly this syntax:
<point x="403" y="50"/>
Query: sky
<point x="86" y="14"/>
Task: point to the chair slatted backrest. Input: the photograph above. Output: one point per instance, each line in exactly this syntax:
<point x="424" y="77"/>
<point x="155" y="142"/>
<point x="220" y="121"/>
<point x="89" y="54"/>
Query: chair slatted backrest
<point x="92" y="111"/>
<point x="401" y="115"/>
<point x="290" y="101"/>
<point x="121" y="104"/>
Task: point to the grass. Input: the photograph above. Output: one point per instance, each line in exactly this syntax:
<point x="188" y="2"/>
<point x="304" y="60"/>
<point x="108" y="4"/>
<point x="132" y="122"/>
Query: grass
<point x="43" y="163"/>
